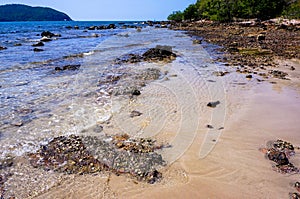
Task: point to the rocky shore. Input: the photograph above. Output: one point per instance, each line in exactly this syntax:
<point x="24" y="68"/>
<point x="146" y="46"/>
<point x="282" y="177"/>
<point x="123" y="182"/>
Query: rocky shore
<point x="252" y="48"/>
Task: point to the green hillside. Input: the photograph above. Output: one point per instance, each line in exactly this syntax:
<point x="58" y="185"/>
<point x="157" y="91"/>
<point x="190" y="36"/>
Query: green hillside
<point x="17" y="12"/>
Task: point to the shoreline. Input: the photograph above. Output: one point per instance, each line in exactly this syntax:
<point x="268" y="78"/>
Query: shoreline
<point x="234" y="168"/>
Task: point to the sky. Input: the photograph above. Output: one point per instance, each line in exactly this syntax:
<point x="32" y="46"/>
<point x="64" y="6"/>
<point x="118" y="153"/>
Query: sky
<point x="108" y="10"/>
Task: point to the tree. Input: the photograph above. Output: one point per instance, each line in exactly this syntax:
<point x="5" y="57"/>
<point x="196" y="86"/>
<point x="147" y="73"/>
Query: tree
<point x="176" y="16"/>
<point x="191" y="12"/>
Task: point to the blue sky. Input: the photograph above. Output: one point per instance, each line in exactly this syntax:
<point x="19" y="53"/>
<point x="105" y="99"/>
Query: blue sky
<point x="111" y="9"/>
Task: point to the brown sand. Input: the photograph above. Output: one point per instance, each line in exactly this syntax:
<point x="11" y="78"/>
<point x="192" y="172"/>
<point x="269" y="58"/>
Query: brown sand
<point x="254" y="114"/>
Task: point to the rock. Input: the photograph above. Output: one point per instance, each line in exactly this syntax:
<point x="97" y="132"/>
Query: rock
<point x="136" y="92"/>
<point x="18" y="44"/>
<point x="278" y="157"/>
<point x="2" y="48"/>
<point x="160" y="53"/>
<point x="139" y="29"/>
<point x="45" y="39"/>
<point x="292" y="68"/>
<point x="197" y="41"/>
<point x="278" y="74"/>
<point x="297" y="186"/>
<point x="76" y="27"/>
<point x="295" y="195"/>
<point x="261" y="37"/>
<point x="57" y="68"/>
<point x="135" y="114"/>
<point x="38" y="44"/>
<point x="220" y="73"/>
<point x="71" y="67"/>
<point x="6" y="162"/>
<point x="47" y="34"/>
<point x="209" y="126"/>
<point x="111" y="26"/>
<point x="68" y="67"/>
<point x="92" y="28"/>
<point x="37" y="50"/>
<point x="249" y="76"/>
<point x="213" y="104"/>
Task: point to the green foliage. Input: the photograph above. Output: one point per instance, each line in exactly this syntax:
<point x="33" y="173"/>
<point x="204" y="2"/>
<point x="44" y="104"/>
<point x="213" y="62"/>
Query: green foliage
<point x="191" y="12"/>
<point x="226" y="10"/>
<point x="176" y="16"/>
<point x="293" y="10"/>
<point x="17" y="12"/>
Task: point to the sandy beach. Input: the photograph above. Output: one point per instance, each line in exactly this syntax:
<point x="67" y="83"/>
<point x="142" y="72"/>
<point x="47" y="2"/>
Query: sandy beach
<point x="214" y="151"/>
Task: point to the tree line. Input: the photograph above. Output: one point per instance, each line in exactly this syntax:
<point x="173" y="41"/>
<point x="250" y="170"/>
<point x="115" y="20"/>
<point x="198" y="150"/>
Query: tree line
<point x="227" y="10"/>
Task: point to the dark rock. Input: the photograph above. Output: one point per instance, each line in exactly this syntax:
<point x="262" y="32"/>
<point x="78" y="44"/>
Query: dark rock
<point x="2" y="48"/>
<point x="278" y="74"/>
<point x="159" y="54"/>
<point x="278" y="157"/>
<point x="69" y="27"/>
<point x="292" y="68"/>
<point x="213" y="104"/>
<point x="297" y="186"/>
<point x="295" y="195"/>
<point x="111" y="26"/>
<point x="76" y="27"/>
<point x="92" y="28"/>
<point x="197" y="41"/>
<point x="46" y="39"/>
<point x="71" y="67"/>
<point x="220" y="73"/>
<point x="47" y="34"/>
<point x="249" y="76"/>
<point x="135" y="114"/>
<point x="37" y="50"/>
<point x="6" y="162"/>
<point x="209" y="126"/>
<point x="136" y="92"/>
<point x="18" y="44"/>
<point x="38" y="44"/>
<point x="261" y="37"/>
<point x="68" y="67"/>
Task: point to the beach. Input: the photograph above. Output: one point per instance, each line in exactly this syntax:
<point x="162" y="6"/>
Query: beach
<point x="210" y="119"/>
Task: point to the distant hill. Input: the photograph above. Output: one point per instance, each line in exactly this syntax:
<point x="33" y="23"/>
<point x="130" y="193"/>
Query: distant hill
<point x="18" y="12"/>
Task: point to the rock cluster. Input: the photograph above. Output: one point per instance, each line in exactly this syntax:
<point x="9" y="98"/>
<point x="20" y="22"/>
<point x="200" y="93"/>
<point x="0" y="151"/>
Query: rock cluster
<point x="66" y="154"/>
<point x="84" y="155"/>
<point x="279" y="152"/>
<point x="159" y="53"/>
<point x="249" y="47"/>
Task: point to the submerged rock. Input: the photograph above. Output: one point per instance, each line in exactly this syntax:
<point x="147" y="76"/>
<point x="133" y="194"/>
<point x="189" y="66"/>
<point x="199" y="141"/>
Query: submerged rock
<point x="160" y="53"/>
<point x="135" y="114"/>
<point x="38" y="44"/>
<point x="68" y="67"/>
<point x="38" y="50"/>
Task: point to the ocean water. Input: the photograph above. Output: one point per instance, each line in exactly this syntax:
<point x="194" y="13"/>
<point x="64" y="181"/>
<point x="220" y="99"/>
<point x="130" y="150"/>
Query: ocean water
<point x="30" y="88"/>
